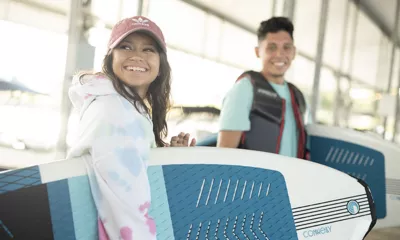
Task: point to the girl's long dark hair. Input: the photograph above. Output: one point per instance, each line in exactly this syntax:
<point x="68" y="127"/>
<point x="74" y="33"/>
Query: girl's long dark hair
<point x="158" y="95"/>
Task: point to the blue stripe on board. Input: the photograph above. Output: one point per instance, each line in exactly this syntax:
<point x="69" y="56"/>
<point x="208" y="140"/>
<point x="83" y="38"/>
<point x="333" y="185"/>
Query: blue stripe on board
<point x="159" y="210"/>
<point x="60" y="209"/>
<point x="20" y="178"/>
<point x="83" y="209"/>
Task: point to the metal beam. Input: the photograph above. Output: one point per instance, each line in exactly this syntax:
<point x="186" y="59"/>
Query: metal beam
<point x="318" y="61"/>
<point x="396" y="116"/>
<point x="353" y="38"/>
<point x="143" y="7"/>
<point x="392" y="59"/>
<point x="273" y="9"/>
<point x="338" y="95"/>
<point x="140" y="7"/>
<point x="352" y="50"/>
<point x="394" y="38"/>
<point x="75" y="31"/>
<point x="288" y="9"/>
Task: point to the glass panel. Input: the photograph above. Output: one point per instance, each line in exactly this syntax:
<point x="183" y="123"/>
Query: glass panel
<point x="24" y="14"/>
<point x="301" y="73"/>
<point x="129" y="8"/>
<point x="384" y="62"/>
<point x="28" y="119"/>
<point x="327" y="94"/>
<point x="107" y="10"/>
<point x="306" y="26"/>
<point x="247" y="13"/>
<point x="366" y="52"/>
<point x="213" y="37"/>
<point x="396" y="72"/>
<point x="237" y="47"/>
<point x="334" y="32"/>
<point x="363" y="99"/>
<point x="200" y="82"/>
<point x="98" y="37"/>
<point x="362" y="122"/>
<point x="279" y="6"/>
<point x="178" y="30"/>
<point x="347" y="57"/>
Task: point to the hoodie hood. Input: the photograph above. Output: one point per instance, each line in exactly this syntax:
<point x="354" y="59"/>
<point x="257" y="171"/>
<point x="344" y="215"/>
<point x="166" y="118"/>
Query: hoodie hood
<point x="85" y="88"/>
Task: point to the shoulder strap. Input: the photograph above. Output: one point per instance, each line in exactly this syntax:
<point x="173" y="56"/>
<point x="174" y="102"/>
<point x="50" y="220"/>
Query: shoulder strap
<point x="299" y="98"/>
<point x="259" y="82"/>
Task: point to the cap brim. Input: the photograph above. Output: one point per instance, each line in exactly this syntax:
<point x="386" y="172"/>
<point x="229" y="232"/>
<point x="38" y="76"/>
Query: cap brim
<point x="145" y="30"/>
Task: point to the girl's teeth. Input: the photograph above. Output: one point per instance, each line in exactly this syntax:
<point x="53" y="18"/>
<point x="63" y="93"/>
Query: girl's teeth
<point x="139" y="69"/>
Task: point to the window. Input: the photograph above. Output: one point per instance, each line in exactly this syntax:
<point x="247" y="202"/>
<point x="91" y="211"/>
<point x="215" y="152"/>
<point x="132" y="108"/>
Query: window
<point x="334" y="32"/>
<point x="182" y="24"/>
<point x="237" y="47"/>
<point x="23" y="14"/>
<point x="383" y="64"/>
<point x="366" y="52"/>
<point x="199" y="82"/>
<point x="247" y="13"/>
<point x="213" y="37"/>
<point x="306" y="26"/>
<point x="39" y="64"/>
<point x="129" y="8"/>
<point x="43" y="58"/>
<point x="396" y="71"/>
<point x="107" y="10"/>
<point x="301" y="73"/>
<point x="350" y="34"/>
<point x="327" y="96"/>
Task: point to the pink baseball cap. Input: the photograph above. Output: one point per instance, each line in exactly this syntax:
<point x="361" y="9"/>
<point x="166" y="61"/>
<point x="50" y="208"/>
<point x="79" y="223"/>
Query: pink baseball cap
<point x="138" y="23"/>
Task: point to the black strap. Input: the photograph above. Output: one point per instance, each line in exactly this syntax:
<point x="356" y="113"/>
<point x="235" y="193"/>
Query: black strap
<point x="259" y="81"/>
<point x="299" y="97"/>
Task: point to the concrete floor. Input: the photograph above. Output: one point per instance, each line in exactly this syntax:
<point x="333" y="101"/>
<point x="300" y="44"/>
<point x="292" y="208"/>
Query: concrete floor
<point x="384" y="234"/>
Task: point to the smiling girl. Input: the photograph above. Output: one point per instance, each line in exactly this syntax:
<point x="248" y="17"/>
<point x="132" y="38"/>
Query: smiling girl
<point x="122" y="115"/>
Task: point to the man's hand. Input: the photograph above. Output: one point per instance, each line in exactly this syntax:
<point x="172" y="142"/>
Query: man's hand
<point x="182" y="140"/>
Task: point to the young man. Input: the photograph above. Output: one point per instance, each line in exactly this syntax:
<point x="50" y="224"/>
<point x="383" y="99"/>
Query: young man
<point x="262" y="111"/>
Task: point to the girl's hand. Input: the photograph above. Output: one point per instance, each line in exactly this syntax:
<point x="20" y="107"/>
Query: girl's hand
<point x="182" y="140"/>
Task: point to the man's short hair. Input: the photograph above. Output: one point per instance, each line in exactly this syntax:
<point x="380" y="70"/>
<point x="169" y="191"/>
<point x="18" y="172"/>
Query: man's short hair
<point x="274" y="25"/>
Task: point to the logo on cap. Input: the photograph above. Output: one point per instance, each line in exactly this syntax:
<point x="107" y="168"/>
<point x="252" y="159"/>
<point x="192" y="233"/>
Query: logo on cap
<point x="140" y="21"/>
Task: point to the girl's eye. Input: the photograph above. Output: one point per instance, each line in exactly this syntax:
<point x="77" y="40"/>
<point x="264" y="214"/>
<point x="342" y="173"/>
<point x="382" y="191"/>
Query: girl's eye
<point x="125" y="47"/>
<point x="149" y="50"/>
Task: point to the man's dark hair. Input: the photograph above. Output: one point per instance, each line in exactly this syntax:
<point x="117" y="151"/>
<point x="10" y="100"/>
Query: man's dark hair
<point x="274" y="25"/>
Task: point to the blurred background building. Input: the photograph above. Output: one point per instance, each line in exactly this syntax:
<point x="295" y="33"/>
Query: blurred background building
<point x="348" y="62"/>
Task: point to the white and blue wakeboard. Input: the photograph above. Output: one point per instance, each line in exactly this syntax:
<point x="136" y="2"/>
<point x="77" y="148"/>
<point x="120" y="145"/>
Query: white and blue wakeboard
<point x="197" y="193"/>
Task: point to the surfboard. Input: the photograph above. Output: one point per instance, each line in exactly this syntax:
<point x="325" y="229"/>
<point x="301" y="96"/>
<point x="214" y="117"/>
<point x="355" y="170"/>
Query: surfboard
<point x="364" y="156"/>
<point x="197" y="193"/>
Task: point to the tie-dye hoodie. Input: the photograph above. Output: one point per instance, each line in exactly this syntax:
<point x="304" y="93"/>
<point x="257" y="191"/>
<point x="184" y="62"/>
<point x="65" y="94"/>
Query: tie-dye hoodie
<point x="114" y="140"/>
